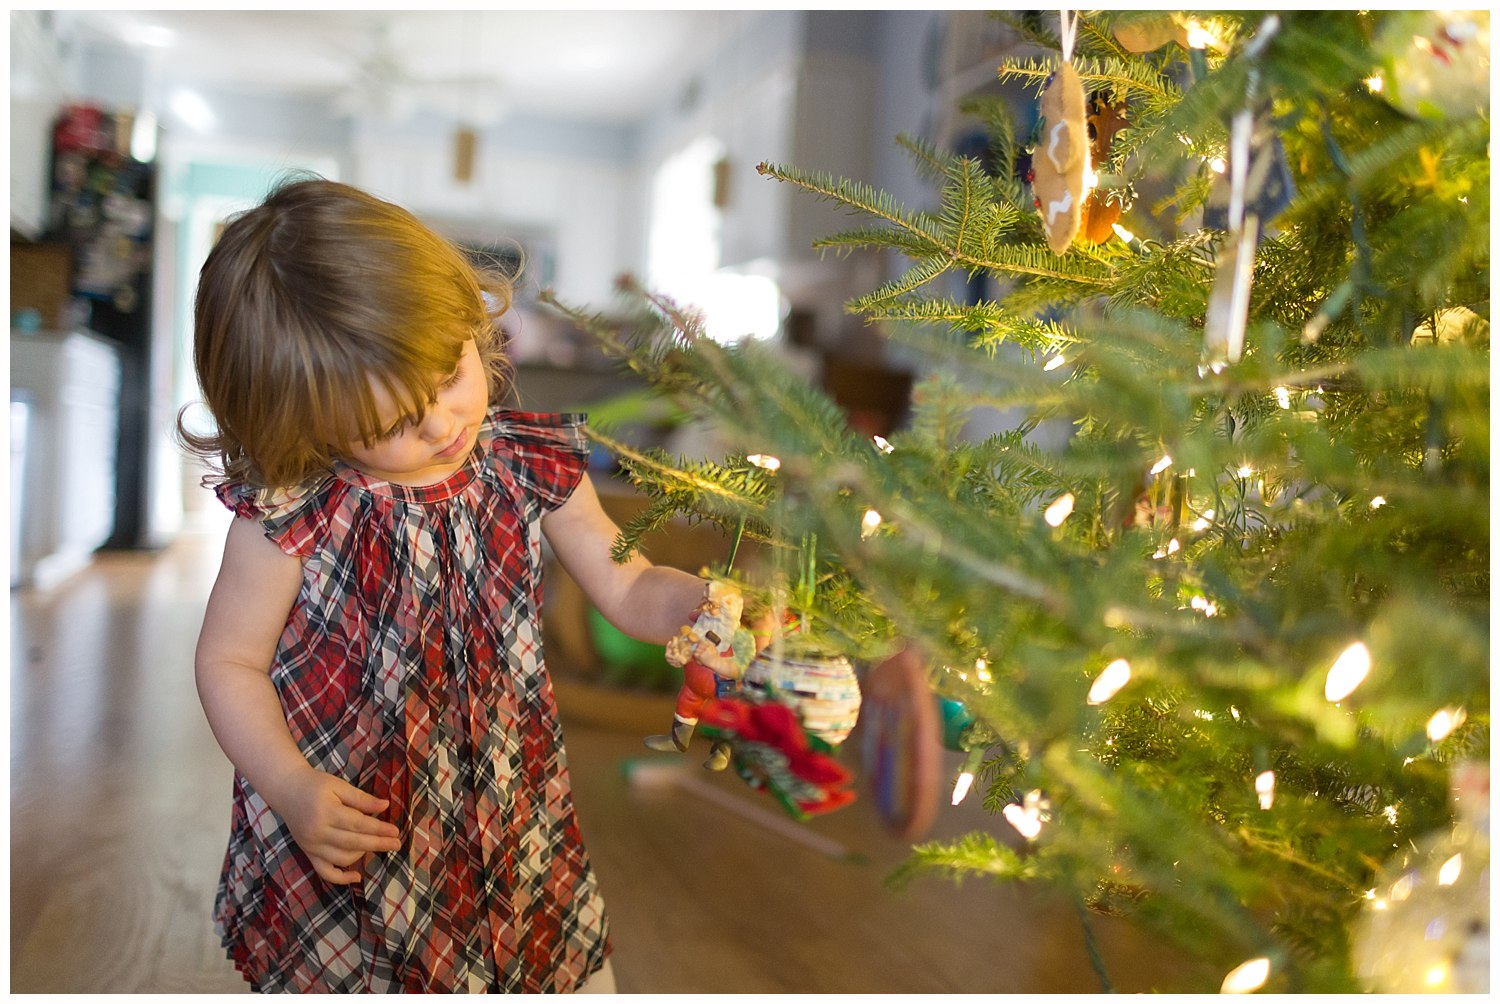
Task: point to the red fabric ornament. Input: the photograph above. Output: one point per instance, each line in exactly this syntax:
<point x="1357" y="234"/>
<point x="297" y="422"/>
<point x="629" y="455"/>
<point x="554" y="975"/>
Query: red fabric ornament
<point x="771" y="751"/>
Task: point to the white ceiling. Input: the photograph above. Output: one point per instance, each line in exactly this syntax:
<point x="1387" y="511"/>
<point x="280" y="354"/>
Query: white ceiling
<point x="603" y="66"/>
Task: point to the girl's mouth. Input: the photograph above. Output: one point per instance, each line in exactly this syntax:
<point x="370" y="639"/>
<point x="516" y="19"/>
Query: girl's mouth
<point x="454" y="447"/>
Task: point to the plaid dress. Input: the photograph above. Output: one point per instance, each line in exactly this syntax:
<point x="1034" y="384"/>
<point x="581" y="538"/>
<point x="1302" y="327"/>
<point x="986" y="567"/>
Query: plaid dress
<point x="411" y="666"/>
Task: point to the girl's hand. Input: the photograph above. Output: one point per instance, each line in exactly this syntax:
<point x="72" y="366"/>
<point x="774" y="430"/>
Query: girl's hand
<point x="334" y="823"/>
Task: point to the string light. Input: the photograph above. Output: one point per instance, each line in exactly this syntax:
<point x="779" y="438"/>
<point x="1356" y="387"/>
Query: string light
<point x="1217" y="165"/>
<point x="1247" y="977"/>
<point x="1205" y="521"/>
<point x="1390" y="814"/>
<point x="1199" y="37"/>
<point x="961" y="789"/>
<point x="764" y="461"/>
<point x="1161" y="465"/>
<point x="1375" y="82"/>
<point x="1245" y="471"/>
<point x="1054" y="363"/>
<point x="1437" y="975"/>
<point x="1440" y="725"/>
<point x="1060" y="509"/>
<point x="1028" y="816"/>
<point x="1109" y="682"/>
<point x="982" y="671"/>
<point x="1173" y="546"/>
<point x="1347" y="672"/>
<point x="1202" y="603"/>
<point x="870" y="523"/>
<point x="1283" y="397"/>
<point x="882" y="445"/>
<point x="1452" y="868"/>
<point x="1123" y="234"/>
<point x="1265" y="788"/>
<point x="1377" y="502"/>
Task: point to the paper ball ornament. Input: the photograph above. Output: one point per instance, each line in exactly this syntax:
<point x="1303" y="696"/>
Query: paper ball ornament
<point x="1437" y="63"/>
<point x="824" y="691"/>
<point x="1425" y="927"/>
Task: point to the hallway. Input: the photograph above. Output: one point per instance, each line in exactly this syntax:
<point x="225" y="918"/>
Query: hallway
<point x="119" y="811"/>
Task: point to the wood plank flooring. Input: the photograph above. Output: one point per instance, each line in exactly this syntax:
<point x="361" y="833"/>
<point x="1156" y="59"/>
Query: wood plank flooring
<point x="119" y="812"/>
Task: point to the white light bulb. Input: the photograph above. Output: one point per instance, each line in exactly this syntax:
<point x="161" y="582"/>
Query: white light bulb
<point x="1347" y="672"/>
<point x="764" y="461"/>
<point x="1265" y="788"/>
<point x="1161" y="465"/>
<point x="1247" y="977"/>
<point x="870" y="523"/>
<point x="882" y="445"/>
<point x="1283" y="397"/>
<point x="1060" y="509"/>
<point x="1377" y="502"/>
<point x="1054" y="363"/>
<point x="961" y="789"/>
<point x="1452" y="868"/>
<point x="1109" y="682"/>
<point x="1442" y="724"/>
<point x="1124" y="235"/>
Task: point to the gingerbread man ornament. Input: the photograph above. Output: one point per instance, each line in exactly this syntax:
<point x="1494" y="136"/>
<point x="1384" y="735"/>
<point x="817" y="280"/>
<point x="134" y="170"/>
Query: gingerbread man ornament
<point x="1062" y="155"/>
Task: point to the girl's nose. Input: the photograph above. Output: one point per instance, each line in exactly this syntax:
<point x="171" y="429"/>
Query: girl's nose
<point x="437" y="424"/>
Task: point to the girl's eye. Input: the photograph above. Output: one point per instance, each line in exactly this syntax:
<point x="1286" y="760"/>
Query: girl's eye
<point x="458" y="371"/>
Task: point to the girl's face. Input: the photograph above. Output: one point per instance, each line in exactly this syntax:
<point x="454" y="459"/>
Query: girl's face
<point x="425" y="452"/>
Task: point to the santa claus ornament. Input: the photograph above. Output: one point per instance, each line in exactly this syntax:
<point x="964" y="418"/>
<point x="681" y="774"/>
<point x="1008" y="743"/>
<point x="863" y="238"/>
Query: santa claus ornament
<point x="1061" y="159"/>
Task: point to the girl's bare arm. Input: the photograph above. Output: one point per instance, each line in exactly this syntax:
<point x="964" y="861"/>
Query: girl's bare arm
<point x="332" y="821"/>
<point x="646" y="601"/>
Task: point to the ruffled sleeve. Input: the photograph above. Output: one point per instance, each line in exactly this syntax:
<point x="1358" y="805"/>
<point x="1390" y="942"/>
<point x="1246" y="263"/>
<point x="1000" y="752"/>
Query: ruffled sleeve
<point x="293" y="519"/>
<point x="546" y="454"/>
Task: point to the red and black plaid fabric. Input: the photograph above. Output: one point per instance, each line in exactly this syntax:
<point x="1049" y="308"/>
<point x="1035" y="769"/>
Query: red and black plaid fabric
<point x="411" y="666"/>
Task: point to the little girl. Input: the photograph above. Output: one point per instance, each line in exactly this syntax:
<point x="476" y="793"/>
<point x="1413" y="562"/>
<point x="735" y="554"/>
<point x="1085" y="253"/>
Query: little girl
<point x="371" y="654"/>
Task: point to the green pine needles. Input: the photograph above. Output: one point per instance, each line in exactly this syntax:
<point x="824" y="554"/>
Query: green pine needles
<point x="1226" y="530"/>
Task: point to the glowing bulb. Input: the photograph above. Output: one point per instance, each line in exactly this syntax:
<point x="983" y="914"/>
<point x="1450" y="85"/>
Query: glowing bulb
<point x="1375" y="82"/>
<point x="882" y="445"/>
<point x="1347" y="673"/>
<point x="1452" y="868"/>
<point x="1109" y="682"/>
<point x="1199" y="37"/>
<point x="1173" y="546"/>
<point x="1247" y="977"/>
<point x="1060" y="509"/>
<point x="1440" y="725"/>
<point x="961" y="789"/>
<point x="1090" y="179"/>
<point x="1245" y="471"/>
<point x="1123" y="234"/>
<point x="1025" y="823"/>
<point x="1283" y="397"/>
<point x="1265" y="788"/>
<point x="1437" y="974"/>
<point x="764" y="461"/>
<point x="982" y="671"/>
<point x="871" y="523"/>
<point x="1377" y="502"/>
<point x="1390" y="814"/>
<point x="1054" y="363"/>
<point x="1217" y="165"/>
<point x="1161" y="465"/>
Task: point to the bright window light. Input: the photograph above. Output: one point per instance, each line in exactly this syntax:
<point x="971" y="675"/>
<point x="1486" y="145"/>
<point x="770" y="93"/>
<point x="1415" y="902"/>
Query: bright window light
<point x="193" y="110"/>
<point x="684" y="250"/>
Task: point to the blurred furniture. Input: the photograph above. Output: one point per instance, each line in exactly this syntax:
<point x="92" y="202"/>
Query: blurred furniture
<point x="69" y="386"/>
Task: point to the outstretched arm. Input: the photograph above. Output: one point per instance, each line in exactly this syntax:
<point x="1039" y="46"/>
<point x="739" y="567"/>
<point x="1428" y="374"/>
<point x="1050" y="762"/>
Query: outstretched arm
<point x="332" y="821"/>
<point x="646" y="601"/>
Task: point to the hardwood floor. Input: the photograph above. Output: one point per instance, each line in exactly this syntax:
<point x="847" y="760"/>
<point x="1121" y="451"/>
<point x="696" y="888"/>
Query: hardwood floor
<point x="119" y="812"/>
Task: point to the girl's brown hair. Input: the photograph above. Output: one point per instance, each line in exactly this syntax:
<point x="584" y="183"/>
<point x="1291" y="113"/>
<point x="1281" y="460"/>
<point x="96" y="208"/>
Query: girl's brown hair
<point x="304" y="301"/>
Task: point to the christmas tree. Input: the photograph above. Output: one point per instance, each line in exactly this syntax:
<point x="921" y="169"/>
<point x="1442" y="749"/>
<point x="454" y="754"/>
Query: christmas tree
<point x="1218" y="653"/>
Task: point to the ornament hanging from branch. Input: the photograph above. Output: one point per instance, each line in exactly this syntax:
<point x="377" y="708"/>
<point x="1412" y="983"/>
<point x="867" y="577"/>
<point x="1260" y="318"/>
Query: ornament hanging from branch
<point x="1062" y="156"/>
<point x="1259" y="187"/>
